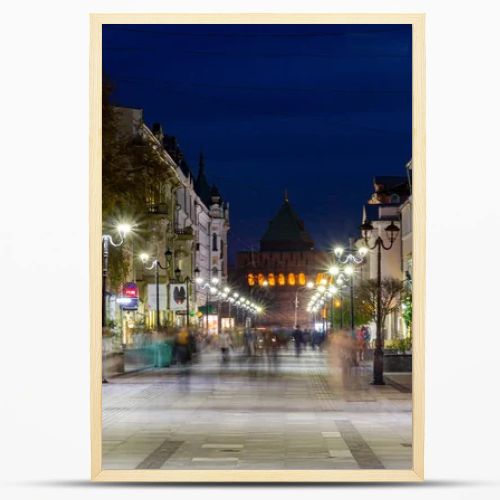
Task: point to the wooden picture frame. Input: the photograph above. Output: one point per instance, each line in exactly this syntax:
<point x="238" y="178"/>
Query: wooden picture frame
<point x="419" y="249"/>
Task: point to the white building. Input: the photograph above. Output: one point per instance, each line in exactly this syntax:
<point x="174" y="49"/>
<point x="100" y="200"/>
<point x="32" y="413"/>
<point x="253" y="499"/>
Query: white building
<point x="201" y="227"/>
<point x="390" y="202"/>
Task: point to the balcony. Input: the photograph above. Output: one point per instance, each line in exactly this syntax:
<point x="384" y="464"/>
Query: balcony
<point x="183" y="233"/>
<point x="157" y="209"/>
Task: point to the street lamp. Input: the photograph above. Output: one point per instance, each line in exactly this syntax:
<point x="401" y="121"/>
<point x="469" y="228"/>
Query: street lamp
<point x="348" y="259"/>
<point x="157" y="266"/>
<point x="309" y="286"/>
<point x="123" y="230"/>
<point x="392" y="232"/>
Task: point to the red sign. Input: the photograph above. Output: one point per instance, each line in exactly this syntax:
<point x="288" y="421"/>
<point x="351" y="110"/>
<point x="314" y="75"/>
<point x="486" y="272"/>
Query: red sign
<point x="130" y="290"/>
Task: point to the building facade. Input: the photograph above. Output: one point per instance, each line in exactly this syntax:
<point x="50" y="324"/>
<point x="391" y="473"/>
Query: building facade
<point x="201" y="229"/>
<point x="153" y="232"/>
<point x="277" y="274"/>
<point x="183" y="225"/>
<point x="390" y="202"/>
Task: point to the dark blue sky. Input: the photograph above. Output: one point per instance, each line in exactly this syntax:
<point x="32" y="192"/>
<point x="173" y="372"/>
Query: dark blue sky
<point x="316" y="109"/>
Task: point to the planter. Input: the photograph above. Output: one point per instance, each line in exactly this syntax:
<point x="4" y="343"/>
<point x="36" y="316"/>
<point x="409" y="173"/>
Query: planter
<point x="397" y="362"/>
<point x="113" y="364"/>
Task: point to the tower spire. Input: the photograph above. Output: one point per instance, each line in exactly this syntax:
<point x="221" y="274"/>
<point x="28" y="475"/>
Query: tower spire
<point x="286" y="194"/>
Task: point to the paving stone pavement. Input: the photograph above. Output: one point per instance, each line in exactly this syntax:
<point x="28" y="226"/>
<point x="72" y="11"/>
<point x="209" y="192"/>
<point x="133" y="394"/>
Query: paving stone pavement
<point x="295" y="413"/>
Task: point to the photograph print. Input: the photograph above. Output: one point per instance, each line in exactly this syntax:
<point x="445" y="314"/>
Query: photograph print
<point x="257" y="247"/>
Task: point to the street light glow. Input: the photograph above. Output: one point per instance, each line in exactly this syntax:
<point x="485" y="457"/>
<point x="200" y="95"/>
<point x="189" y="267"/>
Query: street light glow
<point x="215" y="280"/>
<point x="309" y="285"/>
<point x="144" y="257"/>
<point x="338" y="251"/>
<point x="334" y="270"/>
<point x="349" y="270"/>
<point x="363" y="251"/>
<point x="123" y="229"/>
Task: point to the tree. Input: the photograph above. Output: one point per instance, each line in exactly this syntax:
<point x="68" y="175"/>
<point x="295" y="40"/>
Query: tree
<point x="407" y="305"/>
<point x="134" y="174"/>
<point x="367" y="297"/>
<point x="361" y="316"/>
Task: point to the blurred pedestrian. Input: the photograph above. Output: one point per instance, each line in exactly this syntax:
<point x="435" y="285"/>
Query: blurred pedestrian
<point x="249" y="340"/>
<point x="367" y="339"/>
<point x="225" y="343"/>
<point x="298" y="339"/>
<point x="182" y="341"/>
<point x="360" y="345"/>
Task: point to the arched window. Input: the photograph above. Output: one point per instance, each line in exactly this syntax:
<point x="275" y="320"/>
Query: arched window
<point x="215" y="272"/>
<point x="302" y="279"/>
<point x="291" y="279"/>
<point x="260" y="279"/>
<point x="251" y="279"/>
<point x="395" y="198"/>
<point x="281" y="279"/>
<point x="214" y="242"/>
<point x="319" y="277"/>
<point x="271" y="279"/>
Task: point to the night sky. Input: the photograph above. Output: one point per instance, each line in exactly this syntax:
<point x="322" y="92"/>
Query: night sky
<point x="314" y="109"/>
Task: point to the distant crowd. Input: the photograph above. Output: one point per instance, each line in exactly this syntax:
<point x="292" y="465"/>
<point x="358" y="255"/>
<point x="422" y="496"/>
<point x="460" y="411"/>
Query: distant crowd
<point x="350" y="348"/>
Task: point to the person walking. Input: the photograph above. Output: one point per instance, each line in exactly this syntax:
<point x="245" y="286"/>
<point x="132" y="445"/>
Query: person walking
<point x="225" y="343"/>
<point x="182" y="351"/>
<point x="360" y="341"/>
<point x="366" y="339"/>
<point x="298" y="339"/>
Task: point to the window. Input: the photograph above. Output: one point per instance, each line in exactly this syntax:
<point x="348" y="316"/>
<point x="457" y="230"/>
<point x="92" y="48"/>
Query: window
<point x="260" y="279"/>
<point x="251" y="279"/>
<point x="291" y="279"/>
<point x="214" y="242"/>
<point x="271" y="279"/>
<point x="281" y="279"/>
<point x="302" y="279"/>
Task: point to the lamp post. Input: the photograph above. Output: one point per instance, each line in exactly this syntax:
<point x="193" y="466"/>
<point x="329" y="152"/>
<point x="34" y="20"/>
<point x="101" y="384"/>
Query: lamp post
<point x="157" y="266"/>
<point x="347" y="258"/>
<point x="215" y="281"/>
<point x="123" y="230"/>
<point x="107" y="239"/>
<point x="378" y="356"/>
<point x="309" y="286"/>
<point x="236" y="300"/>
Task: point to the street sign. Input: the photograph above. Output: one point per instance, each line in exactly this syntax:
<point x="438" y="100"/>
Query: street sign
<point x="178" y="297"/>
<point x="152" y="296"/>
<point x="128" y="303"/>
<point x="130" y="290"/>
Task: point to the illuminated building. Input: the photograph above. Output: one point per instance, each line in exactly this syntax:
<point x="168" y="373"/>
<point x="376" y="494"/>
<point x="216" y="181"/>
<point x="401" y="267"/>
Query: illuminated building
<point x="284" y="264"/>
